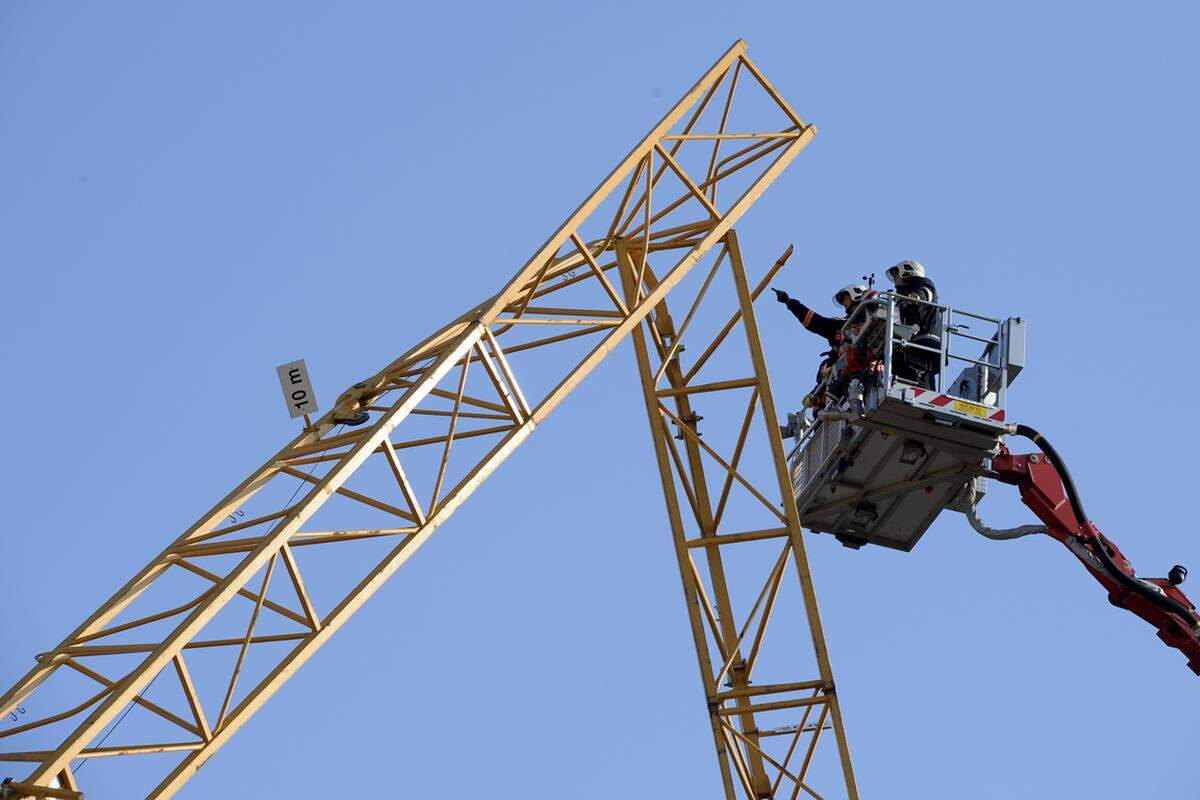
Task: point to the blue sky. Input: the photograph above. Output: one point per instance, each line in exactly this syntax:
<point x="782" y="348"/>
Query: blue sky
<point x="197" y="193"/>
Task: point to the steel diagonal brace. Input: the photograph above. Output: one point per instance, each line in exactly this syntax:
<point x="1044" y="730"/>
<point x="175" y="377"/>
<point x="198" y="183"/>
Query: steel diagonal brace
<point x="137" y="680"/>
<point x="454" y="498"/>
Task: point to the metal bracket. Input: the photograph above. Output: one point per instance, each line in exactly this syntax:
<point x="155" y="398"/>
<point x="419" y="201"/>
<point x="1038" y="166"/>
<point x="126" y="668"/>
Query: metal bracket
<point x="693" y="422"/>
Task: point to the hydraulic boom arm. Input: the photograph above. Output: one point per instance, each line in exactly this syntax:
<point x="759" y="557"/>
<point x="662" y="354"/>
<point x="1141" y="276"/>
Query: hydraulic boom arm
<point x="1047" y="488"/>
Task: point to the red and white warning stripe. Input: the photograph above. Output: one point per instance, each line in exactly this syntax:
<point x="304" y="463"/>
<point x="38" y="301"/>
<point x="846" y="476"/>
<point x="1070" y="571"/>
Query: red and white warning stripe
<point x="929" y="397"/>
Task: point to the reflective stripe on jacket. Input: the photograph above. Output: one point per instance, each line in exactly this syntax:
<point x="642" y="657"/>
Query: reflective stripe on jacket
<point x="828" y="328"/>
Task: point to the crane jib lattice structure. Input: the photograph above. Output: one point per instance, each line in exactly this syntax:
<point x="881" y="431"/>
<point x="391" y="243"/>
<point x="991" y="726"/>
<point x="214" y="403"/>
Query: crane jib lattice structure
<point x="201" y="637"/>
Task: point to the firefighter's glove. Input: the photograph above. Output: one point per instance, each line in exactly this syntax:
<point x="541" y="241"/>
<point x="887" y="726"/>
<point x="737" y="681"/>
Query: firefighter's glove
<point x="781" y="296"/>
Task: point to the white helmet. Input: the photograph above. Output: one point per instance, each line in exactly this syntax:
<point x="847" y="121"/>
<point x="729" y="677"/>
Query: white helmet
<point x="905" y="270"/>
<point x="855" y="290"/>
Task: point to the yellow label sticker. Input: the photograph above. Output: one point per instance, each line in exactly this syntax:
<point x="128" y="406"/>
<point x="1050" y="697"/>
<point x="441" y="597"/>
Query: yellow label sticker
<point x="973" y="409"/>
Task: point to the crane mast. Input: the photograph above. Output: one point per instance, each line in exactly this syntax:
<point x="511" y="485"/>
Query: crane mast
<point x="362" y="488"/>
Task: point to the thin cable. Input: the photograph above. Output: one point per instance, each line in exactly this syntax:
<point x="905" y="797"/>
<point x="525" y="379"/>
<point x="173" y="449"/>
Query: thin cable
<point x="125" y="713"/>
<point x="83" y="761"/>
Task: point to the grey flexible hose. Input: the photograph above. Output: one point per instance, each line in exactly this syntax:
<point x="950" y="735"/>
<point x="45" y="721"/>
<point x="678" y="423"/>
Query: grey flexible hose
<point x="998" y="534"/>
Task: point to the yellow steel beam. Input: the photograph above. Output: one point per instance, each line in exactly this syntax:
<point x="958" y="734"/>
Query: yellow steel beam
<point x="673" y="228"/>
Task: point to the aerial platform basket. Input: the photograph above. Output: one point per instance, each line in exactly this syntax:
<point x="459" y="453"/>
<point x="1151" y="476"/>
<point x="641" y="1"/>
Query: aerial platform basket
<point x="884" y="457"/>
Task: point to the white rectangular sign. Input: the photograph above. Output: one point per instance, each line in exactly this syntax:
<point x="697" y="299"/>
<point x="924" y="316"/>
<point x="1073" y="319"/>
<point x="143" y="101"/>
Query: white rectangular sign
<point x="297" y="388"/>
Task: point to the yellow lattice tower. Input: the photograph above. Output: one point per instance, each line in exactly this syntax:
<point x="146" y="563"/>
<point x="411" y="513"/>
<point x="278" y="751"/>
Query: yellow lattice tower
<point x="403" y="450"/>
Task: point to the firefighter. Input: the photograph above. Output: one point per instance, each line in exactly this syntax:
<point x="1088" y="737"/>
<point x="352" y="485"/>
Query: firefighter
<point x="828" y="328"/>
<point x="918" y="366"/>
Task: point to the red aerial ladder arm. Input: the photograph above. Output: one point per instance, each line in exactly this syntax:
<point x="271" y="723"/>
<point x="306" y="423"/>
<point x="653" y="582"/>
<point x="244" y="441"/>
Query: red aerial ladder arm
<point x="1047" y="488"/>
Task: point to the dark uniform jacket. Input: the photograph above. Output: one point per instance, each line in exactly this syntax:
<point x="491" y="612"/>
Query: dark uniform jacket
<point x="925" y="318"/>
<point x="828" y="328"/>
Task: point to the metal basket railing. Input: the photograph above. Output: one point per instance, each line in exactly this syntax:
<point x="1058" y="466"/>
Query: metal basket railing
<point x="990" y="384"/>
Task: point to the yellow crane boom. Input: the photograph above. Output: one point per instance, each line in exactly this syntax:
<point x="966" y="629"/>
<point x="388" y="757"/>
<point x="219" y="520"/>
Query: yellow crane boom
<point x="405" y="448"/>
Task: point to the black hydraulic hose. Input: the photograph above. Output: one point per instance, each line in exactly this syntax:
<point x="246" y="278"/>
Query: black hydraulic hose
<point x="1110" y="566"/>
<point x="1064" y="473"/>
